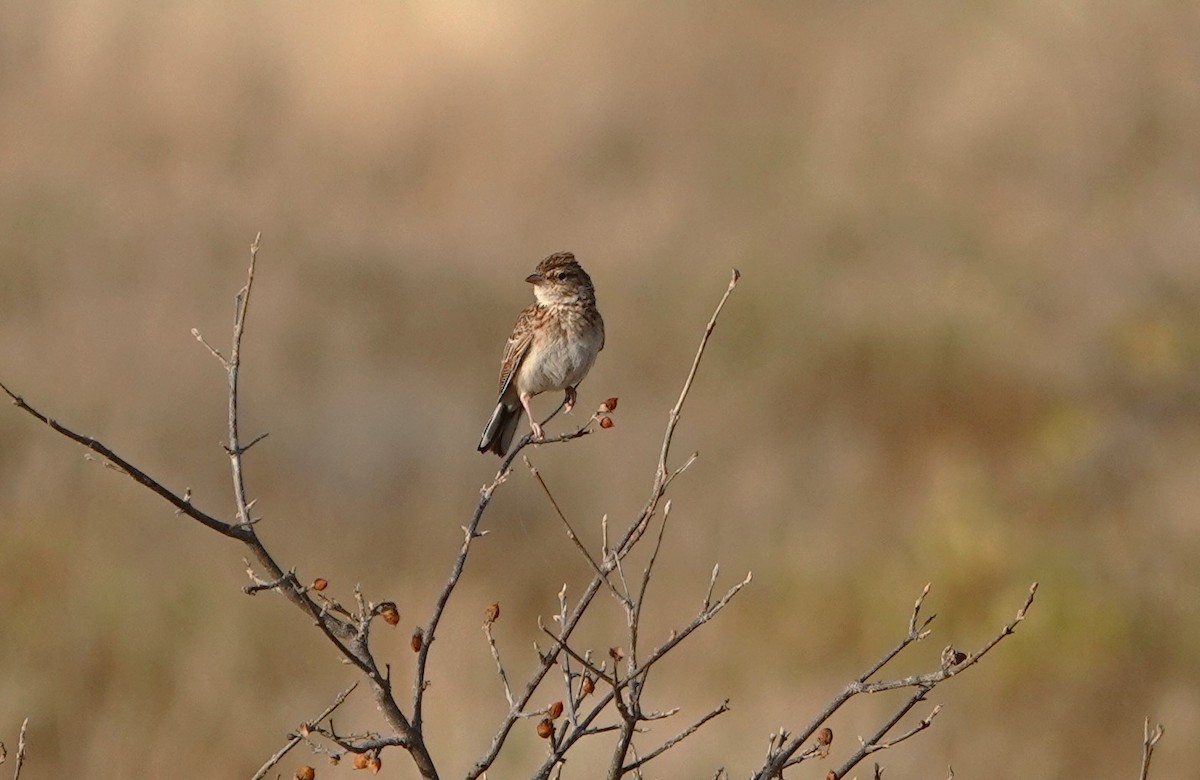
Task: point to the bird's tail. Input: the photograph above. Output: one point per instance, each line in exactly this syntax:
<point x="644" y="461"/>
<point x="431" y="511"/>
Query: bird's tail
<point x="499" y="431"/>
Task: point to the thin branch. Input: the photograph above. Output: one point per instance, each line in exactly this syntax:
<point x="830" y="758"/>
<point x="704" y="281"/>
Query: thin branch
<point x="673" y="418"/>
<point x="20" y="760"/>
<point x="348" y="638"/>
<point x="1150" y="738"/>
<point x="780" y="754"/>
<point x="876" y="743"/>
<point x="681" y="736"/>
<point x="922" y="724"/>
<point x="296" y="738"/>
<point x="233" y="367"/>
<point x="182" y="505"/>
<point x="487" y="632"/>
<point x="574" y="537"/>
<point x="471" y="532"/>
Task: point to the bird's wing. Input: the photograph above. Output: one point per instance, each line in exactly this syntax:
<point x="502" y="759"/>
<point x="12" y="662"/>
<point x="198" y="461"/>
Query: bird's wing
<point x="517" y="346"/>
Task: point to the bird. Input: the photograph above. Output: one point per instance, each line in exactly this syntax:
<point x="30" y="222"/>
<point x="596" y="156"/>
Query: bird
<point x="553" y="345"/>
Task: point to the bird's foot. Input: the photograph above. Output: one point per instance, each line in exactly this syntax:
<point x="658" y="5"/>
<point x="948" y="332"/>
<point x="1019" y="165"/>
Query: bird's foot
<point x="538" y="433"/>
<point x="569" y="401"/>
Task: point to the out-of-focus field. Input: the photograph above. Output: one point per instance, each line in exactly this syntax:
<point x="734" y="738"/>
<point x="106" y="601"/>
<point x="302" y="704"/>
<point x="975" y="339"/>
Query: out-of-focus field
<point x="966" y="350"/>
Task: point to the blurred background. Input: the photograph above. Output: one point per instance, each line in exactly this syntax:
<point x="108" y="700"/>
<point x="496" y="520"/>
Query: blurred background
<point x="965" y="350"/>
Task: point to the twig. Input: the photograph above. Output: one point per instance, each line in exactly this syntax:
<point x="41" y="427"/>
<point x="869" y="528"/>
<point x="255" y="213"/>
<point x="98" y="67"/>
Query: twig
<point x="183" y="506"/>
<point x="1150" y="738"/>
<point x="681" y="736"/>
<point x="347" y="637"/>
<point x="673" y="419"/>
<point x="20" y="760"/>
<point x="471" y="532"/>
<point x="781" y="753"/>
<point x="297" y="738"/>
<point x="233" y="368"/>
<point x="570" y="531"/>
<point x="487" y="632"/>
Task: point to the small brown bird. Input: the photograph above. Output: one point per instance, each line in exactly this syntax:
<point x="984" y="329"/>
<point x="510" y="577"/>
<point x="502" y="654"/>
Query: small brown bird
<point x="552" y="347"/>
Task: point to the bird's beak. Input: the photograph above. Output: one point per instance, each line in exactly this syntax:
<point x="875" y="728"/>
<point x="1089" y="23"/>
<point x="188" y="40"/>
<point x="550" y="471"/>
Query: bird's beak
<point x="534" y="278"/>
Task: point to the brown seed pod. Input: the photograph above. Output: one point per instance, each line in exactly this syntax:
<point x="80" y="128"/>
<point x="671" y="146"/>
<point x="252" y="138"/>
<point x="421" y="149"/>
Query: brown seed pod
<point x="390" y="614"/>
<point x="825" y="736"/>
<point x="556" y="709"/>
<point x="587" y="686"/>
<point x="606" y="423"/>
<point x="616" y="653"/>
<point x="320" y="584"/>
<point x="306" y="773"/>
<point x="545" y="728"/>
<point x="360" y="761"/>
<point x="609" y="405"/>
<point x="418" y="641"/>
<point x="492" y="613"/>
<point x="375" y="763"/>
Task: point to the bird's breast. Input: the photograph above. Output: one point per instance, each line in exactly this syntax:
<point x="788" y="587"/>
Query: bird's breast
<point x="561" y="355"/>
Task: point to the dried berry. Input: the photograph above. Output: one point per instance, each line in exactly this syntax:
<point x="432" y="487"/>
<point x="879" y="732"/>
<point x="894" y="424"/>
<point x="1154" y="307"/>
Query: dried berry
<point x="418" y="641"/>
<point x="545" y="728"/>
<point x="492" y="613"/>
<point x="320" y="584"/>
<point x="556" y="709"/>
<point x="825" y="736"/>
<point x="609" y="405"/>
<point x="306" y="773"/>
<point x="587" y="686"/>
<point x="390" y="614"/>
<point x="606" y="422"/>
<point x="375" y="763"/>
<point x="360" y="761"/>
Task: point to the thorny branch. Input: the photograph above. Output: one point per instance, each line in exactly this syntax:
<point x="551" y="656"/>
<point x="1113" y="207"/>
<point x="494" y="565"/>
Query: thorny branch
<point x="625" y="678"/>
<point x="785" y="750"/>
<point x="347" y="634"/>
<point x="298" y="737"/>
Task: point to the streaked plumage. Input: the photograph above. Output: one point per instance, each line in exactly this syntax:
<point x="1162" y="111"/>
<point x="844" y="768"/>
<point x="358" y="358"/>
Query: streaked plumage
<point x="552" y="347"/>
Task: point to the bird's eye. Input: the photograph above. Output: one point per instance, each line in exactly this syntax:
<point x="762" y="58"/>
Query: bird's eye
<point x="562" y="275"/>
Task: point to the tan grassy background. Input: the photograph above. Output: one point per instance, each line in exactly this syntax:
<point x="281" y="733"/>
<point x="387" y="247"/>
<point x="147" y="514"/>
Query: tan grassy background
<point x="966" y="350"/>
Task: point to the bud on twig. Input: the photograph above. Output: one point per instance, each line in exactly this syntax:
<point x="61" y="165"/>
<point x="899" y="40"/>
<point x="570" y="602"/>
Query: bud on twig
<point x="375" y="763"/>
<point x="616" y="653"/>
<point x="609" y="405"/>
<point x="320" y="584"/>
<point x="545" y="728"/>
<point x="306" y="773"/>
<point x="360" y="761"/>
<point x="824" y="739"/>
<point x="606" y="423"/>
<point x="418" y="641"/>
<point x="556" y="709"/>
<point x="390" y="614"/>
<point x="587" y="686"/>
<point x="492" y="613"/>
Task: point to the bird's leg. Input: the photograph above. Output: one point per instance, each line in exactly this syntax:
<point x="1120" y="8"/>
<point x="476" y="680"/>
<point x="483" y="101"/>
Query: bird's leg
<point x="569" y="402"/>
<point x="533" y="423"/>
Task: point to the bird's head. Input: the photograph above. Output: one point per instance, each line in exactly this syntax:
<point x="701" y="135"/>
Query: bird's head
<point x="560" y="279"/>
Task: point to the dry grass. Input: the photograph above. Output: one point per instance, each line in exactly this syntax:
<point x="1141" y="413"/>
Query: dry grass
<point x="965" y="350"/>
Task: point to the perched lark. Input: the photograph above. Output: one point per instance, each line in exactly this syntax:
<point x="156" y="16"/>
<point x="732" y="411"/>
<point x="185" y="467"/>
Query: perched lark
<point x="552" y="347"/>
